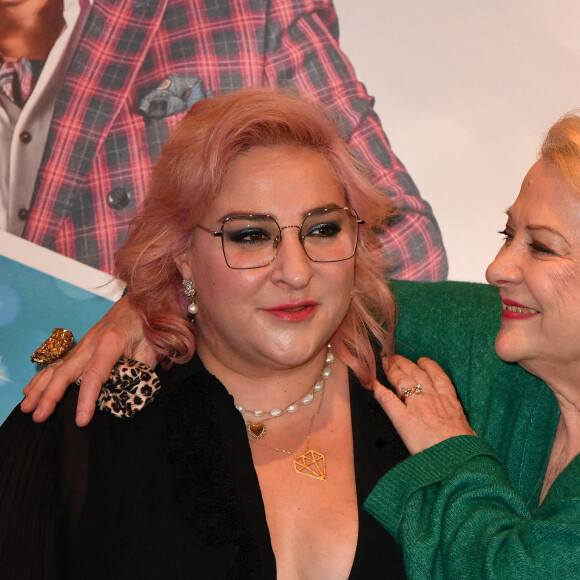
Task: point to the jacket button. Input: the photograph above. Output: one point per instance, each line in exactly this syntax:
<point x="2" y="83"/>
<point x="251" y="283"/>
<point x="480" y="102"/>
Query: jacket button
<point x="25" y="137"/>
<point x="118" y="198"/>
<point x="23" y="214"/>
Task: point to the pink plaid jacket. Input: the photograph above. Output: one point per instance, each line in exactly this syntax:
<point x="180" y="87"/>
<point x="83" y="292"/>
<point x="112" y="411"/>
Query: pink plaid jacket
<point x="100" y="149"/>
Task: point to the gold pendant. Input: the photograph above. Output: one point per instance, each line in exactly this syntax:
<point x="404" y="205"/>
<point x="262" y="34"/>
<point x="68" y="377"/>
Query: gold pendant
<point x="312" y="464"/>
<point x="255" y="430"/>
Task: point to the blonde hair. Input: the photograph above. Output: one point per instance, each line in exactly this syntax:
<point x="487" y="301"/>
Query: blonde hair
<point x="561" y="147"/>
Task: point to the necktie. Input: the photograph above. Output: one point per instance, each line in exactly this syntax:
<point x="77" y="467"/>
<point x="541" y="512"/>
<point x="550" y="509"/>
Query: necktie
<point x="17" y="78"/>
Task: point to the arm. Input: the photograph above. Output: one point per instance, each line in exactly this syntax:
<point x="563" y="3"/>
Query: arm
<point x="302" y="50"/>
<point x="457" y="516"/>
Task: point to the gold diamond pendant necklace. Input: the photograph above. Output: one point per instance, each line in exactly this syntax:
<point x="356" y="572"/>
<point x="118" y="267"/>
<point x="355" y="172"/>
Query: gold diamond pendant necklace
<point x="311" y="463"/>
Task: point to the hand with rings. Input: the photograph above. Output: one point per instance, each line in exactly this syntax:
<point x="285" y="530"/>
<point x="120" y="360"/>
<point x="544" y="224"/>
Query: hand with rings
<point x="425" y="420"/>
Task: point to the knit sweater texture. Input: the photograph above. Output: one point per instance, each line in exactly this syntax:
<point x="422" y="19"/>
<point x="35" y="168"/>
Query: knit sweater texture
<point x="468" y="508"/>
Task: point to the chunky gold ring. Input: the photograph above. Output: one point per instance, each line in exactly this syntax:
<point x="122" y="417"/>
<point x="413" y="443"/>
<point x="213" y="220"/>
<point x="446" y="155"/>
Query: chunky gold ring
<point x="407" y="392"/>
<point x="53" y="347"/>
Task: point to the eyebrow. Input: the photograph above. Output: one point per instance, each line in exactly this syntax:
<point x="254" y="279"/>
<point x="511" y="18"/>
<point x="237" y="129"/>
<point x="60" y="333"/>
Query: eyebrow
<point x="221" y="219"/>
<point x="540" y="228"/>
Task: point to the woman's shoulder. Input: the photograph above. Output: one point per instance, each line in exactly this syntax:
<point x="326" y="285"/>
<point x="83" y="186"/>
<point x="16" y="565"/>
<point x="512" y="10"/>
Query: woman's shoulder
<point x="454" y="323"/>
<point x="372" y="428"/>
<point x="428" y="311"/>
<point x="133" y="386"/>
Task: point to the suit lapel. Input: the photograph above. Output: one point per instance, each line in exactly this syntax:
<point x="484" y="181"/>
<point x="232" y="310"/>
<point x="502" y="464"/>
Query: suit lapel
<point x="99" y="81"/>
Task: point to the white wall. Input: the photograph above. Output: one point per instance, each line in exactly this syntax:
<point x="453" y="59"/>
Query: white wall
<point x="465" y="90"/>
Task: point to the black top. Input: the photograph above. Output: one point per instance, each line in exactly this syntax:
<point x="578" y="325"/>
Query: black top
<point x="171" y="493"/>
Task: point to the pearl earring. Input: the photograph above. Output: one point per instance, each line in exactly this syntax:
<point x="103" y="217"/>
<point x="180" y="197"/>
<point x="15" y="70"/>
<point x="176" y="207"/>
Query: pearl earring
<point x="189" y="291"/>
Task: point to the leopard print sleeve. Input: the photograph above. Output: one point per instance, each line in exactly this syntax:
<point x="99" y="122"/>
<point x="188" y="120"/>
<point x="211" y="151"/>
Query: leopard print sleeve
<point x="131" y="387"/>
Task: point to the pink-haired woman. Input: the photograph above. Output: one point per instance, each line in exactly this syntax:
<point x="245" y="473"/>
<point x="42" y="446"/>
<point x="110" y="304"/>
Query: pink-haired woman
<point x="252" y="267"/>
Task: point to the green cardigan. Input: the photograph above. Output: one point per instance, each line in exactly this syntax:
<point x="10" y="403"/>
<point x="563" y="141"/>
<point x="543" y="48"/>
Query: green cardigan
<point x="468" y="507"/>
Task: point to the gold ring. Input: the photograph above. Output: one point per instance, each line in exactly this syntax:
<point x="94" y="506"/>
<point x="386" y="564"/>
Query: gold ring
<point x="407" y="392"/>
<point x="53" y="347"/>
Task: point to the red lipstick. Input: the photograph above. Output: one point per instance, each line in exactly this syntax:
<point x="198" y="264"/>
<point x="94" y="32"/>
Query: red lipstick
<point x="296" y="312"/>
<point x="515" y="311"/>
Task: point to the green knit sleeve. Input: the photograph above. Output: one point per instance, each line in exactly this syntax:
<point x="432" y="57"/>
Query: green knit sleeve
<point x="456" y="515"/>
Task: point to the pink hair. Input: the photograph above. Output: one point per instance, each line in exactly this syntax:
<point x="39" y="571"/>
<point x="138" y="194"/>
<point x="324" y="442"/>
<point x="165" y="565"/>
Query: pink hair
<point x="188" y="178"/>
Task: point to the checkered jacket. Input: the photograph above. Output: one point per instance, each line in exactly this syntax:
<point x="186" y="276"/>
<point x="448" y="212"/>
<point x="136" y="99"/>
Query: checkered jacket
<point x="100" y="149"/>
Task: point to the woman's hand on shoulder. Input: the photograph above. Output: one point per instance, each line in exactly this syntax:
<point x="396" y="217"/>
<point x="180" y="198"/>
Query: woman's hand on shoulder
<point x="426" y="410"/>
<point x="119" y="333"/>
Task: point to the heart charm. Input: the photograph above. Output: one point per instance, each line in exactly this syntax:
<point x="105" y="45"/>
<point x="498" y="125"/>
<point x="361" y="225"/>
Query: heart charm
<point x="256" y="430"/>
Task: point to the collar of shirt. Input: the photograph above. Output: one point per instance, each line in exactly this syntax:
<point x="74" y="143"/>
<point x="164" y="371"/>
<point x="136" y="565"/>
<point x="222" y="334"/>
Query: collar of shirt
<point x="20" y="159"/>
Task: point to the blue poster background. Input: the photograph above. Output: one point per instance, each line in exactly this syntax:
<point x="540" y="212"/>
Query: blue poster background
<point x="31" y="305"/>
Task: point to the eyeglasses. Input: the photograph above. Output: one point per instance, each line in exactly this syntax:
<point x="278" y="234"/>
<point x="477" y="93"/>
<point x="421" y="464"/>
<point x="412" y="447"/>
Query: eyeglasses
<point x="252" y="241"/>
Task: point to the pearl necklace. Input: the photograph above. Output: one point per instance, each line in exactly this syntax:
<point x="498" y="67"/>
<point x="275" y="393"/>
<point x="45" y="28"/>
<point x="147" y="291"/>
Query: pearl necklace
<point x="311" y="463"/>
<point x="256" y="429"/>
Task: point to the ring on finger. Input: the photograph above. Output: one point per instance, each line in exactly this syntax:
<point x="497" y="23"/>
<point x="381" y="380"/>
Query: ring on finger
<point x="408" y="391"/>
<point x="53" y="348"/>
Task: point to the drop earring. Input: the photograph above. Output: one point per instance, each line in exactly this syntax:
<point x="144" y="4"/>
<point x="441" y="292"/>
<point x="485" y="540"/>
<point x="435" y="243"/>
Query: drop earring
<point x="189" y="291"/>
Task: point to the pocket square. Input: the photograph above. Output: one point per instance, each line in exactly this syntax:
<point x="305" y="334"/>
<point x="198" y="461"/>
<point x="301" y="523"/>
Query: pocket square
<point x="175" y="94"/>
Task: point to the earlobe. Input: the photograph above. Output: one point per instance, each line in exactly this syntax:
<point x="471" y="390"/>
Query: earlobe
<point x="184" y="267"/>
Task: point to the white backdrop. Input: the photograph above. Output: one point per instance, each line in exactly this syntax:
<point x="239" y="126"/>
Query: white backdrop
<point x="466" y="89"/>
